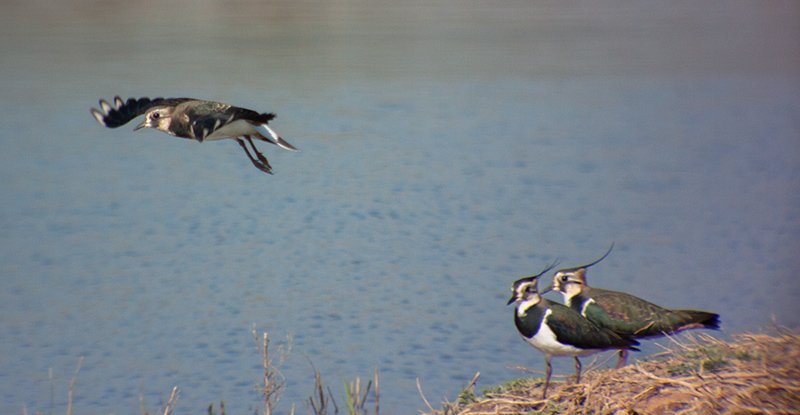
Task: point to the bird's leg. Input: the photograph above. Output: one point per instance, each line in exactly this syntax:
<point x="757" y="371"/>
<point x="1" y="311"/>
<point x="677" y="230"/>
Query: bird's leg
<point x="578" y="370"/>
<point x="547" y="379"/>
<point x="258" y="153"/>
<point x="263" y="166"/>
<point x="622" y="359"/>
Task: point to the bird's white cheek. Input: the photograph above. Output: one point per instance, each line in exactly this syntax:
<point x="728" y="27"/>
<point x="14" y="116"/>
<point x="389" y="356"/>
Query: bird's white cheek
<point x="164" y="124"/>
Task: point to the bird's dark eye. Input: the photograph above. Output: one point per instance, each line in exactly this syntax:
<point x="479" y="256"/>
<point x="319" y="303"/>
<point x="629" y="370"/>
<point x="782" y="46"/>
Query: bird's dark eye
<point x="564" y="278"/>
<point x="156" y="115"/>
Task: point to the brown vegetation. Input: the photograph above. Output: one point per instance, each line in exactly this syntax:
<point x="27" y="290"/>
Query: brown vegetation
<point x="697" y="374"/>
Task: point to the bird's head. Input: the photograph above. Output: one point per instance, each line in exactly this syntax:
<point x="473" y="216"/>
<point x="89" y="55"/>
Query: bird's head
<point x="158" y="118"/>
<point x="525" y="289"/>
<point x="570" y="281"/>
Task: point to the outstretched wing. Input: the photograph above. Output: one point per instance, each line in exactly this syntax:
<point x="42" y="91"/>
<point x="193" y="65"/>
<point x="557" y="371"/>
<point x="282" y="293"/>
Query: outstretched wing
<point x="120" y="113"/>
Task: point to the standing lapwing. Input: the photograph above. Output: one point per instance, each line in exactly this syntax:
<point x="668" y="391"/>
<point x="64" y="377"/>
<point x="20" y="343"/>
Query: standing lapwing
<point x="195" y="119"/>
<point x="556" y="330"/>
<point x="623" y="313"/>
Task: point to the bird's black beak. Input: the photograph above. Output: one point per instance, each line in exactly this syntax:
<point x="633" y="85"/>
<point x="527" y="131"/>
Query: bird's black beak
<point x="547" y="290"/>
<point x="140" y="126"/>
<point x="512" y="299"/>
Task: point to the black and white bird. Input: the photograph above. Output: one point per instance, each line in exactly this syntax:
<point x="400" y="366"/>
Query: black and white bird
<point x="195" y="119"/>
<point x="557" y="330"/>
<point x="624" y="313"/>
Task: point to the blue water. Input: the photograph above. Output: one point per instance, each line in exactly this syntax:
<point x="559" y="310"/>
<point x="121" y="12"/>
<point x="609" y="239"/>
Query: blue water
<point x="445" y="152"/>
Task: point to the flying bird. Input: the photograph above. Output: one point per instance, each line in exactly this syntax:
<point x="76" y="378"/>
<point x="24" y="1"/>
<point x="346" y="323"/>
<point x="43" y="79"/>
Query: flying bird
<point x="195" y="119"/>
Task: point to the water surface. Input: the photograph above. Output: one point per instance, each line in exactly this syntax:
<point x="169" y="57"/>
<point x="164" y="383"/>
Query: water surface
<point x="446" y="150"/>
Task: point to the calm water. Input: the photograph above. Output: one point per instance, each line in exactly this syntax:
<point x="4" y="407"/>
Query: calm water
<point x="445" y="151"/>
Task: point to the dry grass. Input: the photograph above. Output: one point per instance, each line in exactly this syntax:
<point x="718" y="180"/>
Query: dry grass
<point x="274" y="382"/>
<point x="271" y="390"/>
<point x="753" y="374"/>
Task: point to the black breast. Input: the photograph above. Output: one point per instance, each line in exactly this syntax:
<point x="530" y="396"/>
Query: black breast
<point x="528" y="324"/>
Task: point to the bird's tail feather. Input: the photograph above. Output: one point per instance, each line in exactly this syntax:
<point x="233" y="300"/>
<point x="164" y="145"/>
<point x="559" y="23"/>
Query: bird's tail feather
<point x="274" y="138"/>
<point x="701" y="319"/>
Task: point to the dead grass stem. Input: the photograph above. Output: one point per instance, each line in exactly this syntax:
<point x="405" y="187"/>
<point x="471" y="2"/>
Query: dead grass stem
<point x="695" y="374"/>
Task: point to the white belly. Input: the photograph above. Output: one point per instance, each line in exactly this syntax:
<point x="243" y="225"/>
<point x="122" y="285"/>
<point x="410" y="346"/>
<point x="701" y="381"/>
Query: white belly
<point x="235" y="129"/>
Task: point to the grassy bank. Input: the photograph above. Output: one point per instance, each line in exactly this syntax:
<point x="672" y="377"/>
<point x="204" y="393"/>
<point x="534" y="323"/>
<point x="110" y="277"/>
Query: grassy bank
<point x="698" y="374"/>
